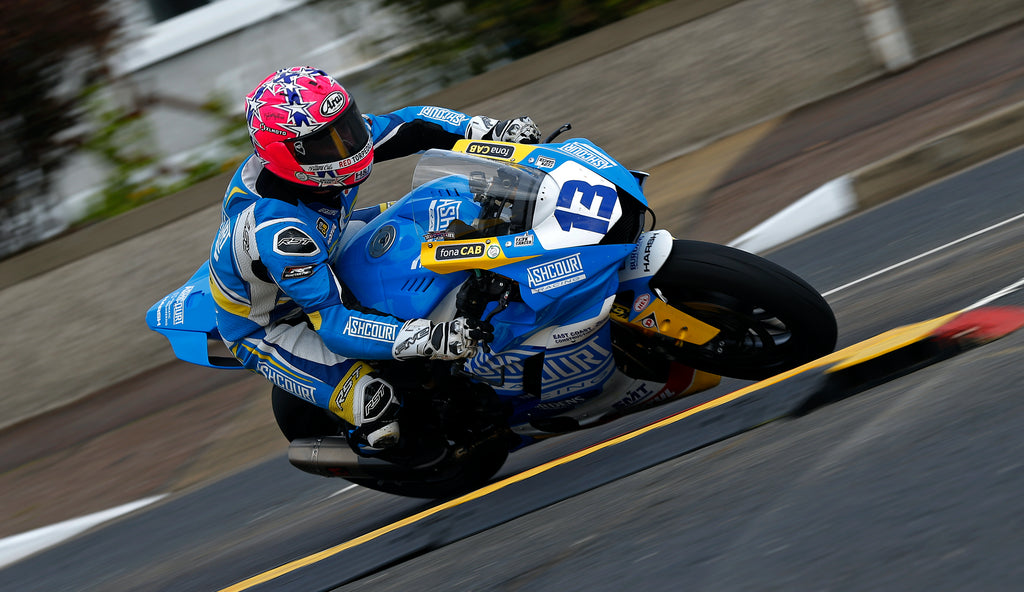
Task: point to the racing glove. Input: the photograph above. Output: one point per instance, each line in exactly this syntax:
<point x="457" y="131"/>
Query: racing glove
<point x="521" y="129"/>
<point x="450" y="340"/>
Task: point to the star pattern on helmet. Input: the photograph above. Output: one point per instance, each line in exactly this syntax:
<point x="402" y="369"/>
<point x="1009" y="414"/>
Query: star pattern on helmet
<point x="286" y="81"/>
<point x="291" y="74"/>
<point x="299" y="111"/>
<point x="253" y="105"/>
<point x="283" y="79"/>
<point x="301" y="127"/>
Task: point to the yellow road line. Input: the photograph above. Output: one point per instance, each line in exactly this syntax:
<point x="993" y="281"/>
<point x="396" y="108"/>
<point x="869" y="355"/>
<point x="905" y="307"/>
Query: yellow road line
<point x="891" y="341"/>
<point x="327" y="553"/>
<point x="871" y="348"/>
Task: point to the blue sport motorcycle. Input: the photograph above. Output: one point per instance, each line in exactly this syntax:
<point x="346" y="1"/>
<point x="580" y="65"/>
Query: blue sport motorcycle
<point x="594" y="316"/>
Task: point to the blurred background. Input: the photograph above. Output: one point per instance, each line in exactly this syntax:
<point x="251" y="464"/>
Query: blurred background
<point x="122" y="121"/>
<point x="114" y="103"/>
<point x="118" y="102"/>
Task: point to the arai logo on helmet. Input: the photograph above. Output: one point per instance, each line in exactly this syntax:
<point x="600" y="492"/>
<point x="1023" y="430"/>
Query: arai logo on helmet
<point x="332" y="104"/>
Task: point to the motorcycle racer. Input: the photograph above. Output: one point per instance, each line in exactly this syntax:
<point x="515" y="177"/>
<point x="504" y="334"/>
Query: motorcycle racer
<point x="281" y="309"/>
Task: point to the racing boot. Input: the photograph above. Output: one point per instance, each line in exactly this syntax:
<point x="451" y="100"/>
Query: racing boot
<point x="373" y="408"/>
<point x="377" y="413"/>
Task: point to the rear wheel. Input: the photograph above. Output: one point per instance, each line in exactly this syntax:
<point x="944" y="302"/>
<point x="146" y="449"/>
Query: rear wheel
<point x="301" y="419"/>
<point x="407" y="471"/>
<point x="466" y="429"/>
<point x="451" y="477"/>
<point x="770" y="320"/>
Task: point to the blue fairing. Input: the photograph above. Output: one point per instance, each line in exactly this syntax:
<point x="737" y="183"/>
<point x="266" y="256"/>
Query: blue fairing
<point x="558" y="305"/>
<point x="564" y="277"/>
<point x="187" y="319"/>
<point x="588" y="154"/>
<point x="394" y="282"/>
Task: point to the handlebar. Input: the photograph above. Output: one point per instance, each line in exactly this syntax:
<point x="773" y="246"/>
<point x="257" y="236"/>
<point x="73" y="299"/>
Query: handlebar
<point x="565" y="127"/>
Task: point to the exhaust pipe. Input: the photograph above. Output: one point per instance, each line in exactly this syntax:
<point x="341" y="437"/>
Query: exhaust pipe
<point x="328" y="456"/>
<point x="331" y="456"/>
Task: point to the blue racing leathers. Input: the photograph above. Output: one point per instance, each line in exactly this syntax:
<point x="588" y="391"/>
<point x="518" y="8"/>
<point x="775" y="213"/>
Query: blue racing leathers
<point x="280" y="306"/>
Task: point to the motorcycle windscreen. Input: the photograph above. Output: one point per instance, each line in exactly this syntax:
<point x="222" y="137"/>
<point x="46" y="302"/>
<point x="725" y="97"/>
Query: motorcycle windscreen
<point x="478" y="197"/>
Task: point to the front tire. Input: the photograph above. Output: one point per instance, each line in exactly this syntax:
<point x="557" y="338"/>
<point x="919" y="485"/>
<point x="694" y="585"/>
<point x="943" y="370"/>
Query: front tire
<point x="770" y="319"/>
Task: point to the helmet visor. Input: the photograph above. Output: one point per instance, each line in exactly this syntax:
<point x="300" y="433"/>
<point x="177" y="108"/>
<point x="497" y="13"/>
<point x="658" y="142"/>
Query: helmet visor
<point x="342" y="142"/>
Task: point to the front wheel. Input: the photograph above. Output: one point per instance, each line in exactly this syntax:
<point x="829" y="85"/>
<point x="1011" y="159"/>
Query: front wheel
<point x="769" y="319"/>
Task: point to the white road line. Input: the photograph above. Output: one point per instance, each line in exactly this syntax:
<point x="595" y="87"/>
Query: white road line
<point x="22" y="545"/>
<point x="997" y="295"/>
<point x="925" y="254"/>
<point x="341" y="491"/>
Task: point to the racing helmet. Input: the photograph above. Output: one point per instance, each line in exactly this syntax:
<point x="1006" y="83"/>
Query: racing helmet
<point x="307" y="129"/>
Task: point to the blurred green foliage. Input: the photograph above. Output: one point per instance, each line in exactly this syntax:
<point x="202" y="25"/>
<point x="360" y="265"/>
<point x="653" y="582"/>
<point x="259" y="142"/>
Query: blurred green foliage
<point x="122" y="140"/>
<point x="479" y="33"/>
<point x="54" y="59"/>
<point x="48" y="49"/>
<point x="489" y="31"/>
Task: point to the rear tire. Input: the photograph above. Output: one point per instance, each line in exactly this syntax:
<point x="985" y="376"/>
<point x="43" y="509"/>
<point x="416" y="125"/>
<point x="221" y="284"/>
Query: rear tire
<point x="453" y="477"/>
<point x="301" y="419"/>
<point x="770" y="319"/>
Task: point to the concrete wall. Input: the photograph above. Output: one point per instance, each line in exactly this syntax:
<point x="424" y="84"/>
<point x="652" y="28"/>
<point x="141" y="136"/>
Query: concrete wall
<point x="687" y="72"/>
<point x="82" y="326"/>
<point x="673" y="90"/>
<point x="936" y="25"/>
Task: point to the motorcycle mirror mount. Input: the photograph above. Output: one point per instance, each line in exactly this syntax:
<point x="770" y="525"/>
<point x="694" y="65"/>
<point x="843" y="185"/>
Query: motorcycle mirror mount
<point x="565" y="127"/>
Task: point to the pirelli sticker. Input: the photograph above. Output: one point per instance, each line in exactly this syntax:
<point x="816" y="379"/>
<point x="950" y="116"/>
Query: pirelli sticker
<point x="665" y="319"/>
<point x="322" y="227"/>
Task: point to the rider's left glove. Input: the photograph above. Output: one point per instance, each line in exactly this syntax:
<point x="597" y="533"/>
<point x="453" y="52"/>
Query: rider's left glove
<point x="450" y="340"/>
<point x="521" y="130"/>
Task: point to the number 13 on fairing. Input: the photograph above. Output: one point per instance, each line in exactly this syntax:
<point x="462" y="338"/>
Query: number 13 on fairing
<point x="577" y="196"/>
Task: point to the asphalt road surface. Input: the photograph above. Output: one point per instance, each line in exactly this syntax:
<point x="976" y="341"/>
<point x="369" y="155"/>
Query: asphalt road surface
<point x="913" y="484"/>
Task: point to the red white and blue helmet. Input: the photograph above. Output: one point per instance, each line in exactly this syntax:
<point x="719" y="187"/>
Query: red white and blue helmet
<point x="308" y="130"/>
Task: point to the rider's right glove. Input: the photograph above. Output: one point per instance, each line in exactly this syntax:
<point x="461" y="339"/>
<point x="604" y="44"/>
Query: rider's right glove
<point x="521" y="130"/>
<point x="450" y="340"/>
